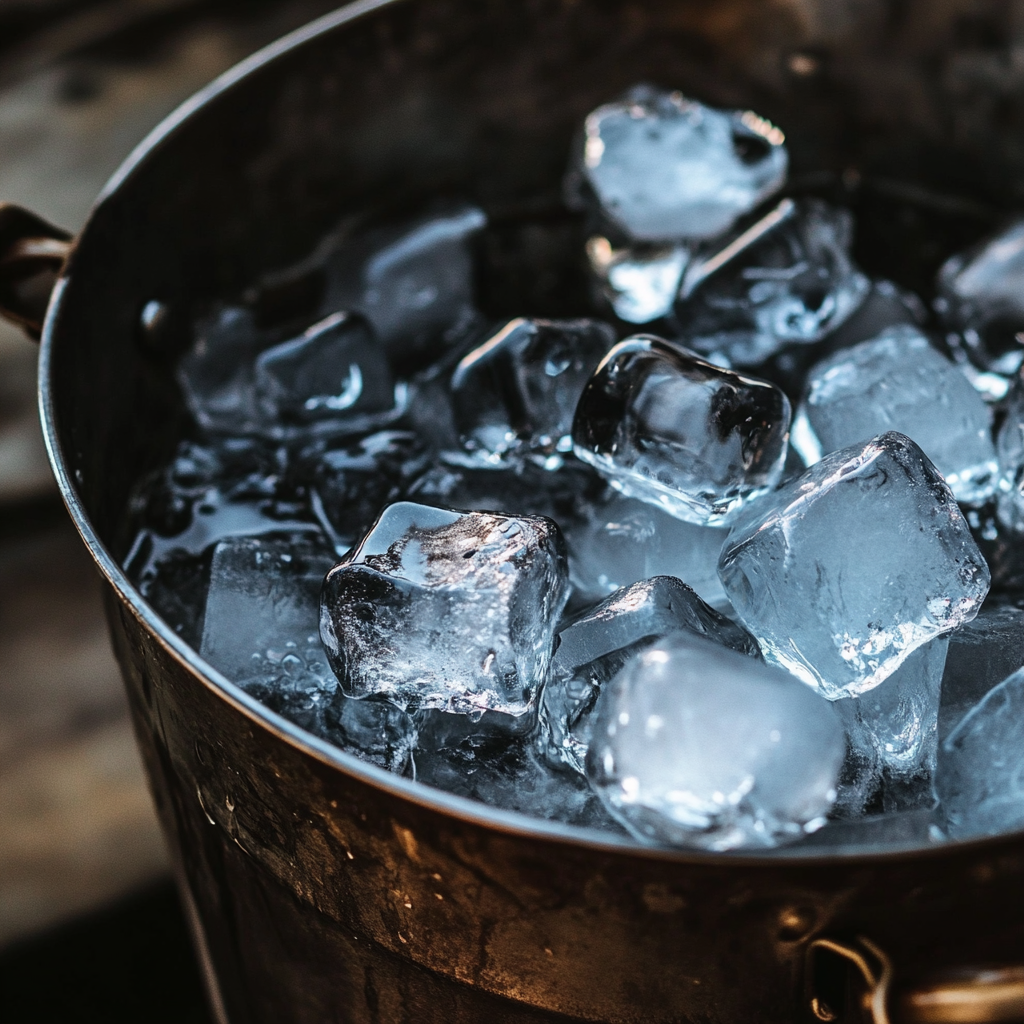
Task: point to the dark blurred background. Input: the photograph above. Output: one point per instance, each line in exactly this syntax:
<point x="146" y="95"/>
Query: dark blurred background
<point x="90" y="928"/>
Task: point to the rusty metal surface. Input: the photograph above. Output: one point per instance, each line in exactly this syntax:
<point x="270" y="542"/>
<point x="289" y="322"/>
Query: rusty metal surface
<point x="323" y="888"/>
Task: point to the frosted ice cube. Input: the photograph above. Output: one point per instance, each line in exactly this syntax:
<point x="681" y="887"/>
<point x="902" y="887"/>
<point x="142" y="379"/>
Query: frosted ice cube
<point x="413" y="281"/>
<point x="1010" y="448"/>
<point x="216" y="374"/>
<point x="640" y="282"/>
<point x="786" y="280"/>
<point x="981" y="655"/>
<point x="697" y="745"/>
<point x="336" y="368"/>
<point x="517" y="392"/>
<point x="897" y="381"/>
<point x="264" y="592"/>
<point x="447" y="610"/>
<point x="595" y="646"/>
<point x="980" y="778"/>
<point x="892" y="733"/>
<point x="618" y="541"/>
<point x="659" y="166"/>
<point x="669" y="428"/>
<point x="981" y="298"/>
<point x="846" y="570"/>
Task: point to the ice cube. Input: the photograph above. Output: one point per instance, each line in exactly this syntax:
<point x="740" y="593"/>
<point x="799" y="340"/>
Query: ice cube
<point x="981" y="300"/>
<point x="639" y="281"/>
<point x="786" y="280"/>
<point x="264" y="592"/>
<point x="350" y="482"/>
<point x="657" y="166"/>
<point x="294" y="680"/>
<point x="667" y="427"/>
<point x="618" y="541"/>
<point x="517" y="392"/>
<point x="595" y="646"/>
<point x="1010" y="448"/>
<point x="448" y="610"/>
<point x="697" y="745"/>
<point x="216" y="374"/>
<point x="374" y="730"/>
<point x="336" y="368"/>
<point x="892" y="732"/>
<point x="981" y="655"/>
<point x="897" y="830"/>
<point x="413" y="281"/>
<point x="897" y="381"/>
<point x="846" y="570"/>
<point x="484" y="762"/>
<point x="980" y="778"/>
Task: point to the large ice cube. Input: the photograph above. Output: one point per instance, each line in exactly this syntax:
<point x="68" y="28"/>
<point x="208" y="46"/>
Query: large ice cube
<point x="413" y="281"/>
<point x="981" y="655"/>
<point x="447" y="610"/>
<point x="981" y="297"/>
<point x="639" y="281"/>
<point x="697" y="745"/>
<point x="596" y="645"/>
<point x="897" y="381"/>
<point x="264" y="592"/>
<point x="517" y="392"/>
<point x="658" y="166"/>
<point x="892" y="733"/>
<point x="786" y="280"/>
<point x="336" y="368"/>
<point x="618" y="541"/>
<point x="669" y="428"/>
<point x="980" y="778"/>
<point x="846" y="570"/>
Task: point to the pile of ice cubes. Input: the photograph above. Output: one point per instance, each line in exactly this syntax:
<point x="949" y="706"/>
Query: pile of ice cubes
<point x="719" y="584"/>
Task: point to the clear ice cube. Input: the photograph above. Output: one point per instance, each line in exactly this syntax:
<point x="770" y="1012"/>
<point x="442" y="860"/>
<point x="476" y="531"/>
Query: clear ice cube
<point x="518" y="391"/>
<point x="619" y="540"/>
<point x="696" y="745"/>
<point x="216" y="374"/>
<point x="897" y="381"/>
<point x="980" y="778"/>
<point x="484" y="762"/>
<point x="667" y="427"/>
<point x="336" y="368"/>
<point x="657" y="166"/>
<point x="981" y="655"/>
<point x="413" y="281"/>
<point x="892" y="732"/>
<point x="264" y="593"/>
<point x="981" y="300"/>
<point x="786" y="280"/>
<point x="640" y="282"/>
<point x="447" y="610"/>
<point x="849" y="568"/>
<point x="374" y="730"/>
<point x="596" y="645"/>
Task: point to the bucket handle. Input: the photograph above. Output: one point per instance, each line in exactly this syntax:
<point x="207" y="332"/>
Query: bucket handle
<point x="964" y="995"/>
<point x="32" y="255"/>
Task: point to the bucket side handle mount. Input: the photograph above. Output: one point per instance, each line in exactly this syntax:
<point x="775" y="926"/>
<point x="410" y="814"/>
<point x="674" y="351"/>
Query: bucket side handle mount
<point x="965" y="995"/>
<point x="32" y="255"/>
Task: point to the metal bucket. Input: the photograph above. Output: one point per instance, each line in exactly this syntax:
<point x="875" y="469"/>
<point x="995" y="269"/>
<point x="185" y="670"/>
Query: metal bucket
<point x="322" y="888"/>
